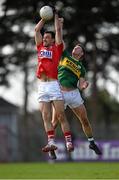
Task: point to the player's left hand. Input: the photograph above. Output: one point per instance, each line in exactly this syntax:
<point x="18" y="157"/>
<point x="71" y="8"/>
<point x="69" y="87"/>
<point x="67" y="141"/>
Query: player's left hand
<point x="85" y="85"/>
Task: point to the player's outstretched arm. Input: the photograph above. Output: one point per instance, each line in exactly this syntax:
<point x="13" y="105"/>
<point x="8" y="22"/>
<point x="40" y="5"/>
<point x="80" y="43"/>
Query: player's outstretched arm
<point x="38" y="36"/>
<point x="58" y="29"/>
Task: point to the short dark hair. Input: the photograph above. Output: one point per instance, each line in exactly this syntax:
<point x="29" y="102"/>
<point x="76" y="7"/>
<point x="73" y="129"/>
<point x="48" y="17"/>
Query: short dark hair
<point x="50" y="32"/>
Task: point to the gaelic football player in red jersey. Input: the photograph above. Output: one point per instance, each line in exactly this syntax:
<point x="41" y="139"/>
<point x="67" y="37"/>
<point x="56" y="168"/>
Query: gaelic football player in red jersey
<point x="49" y="48"/>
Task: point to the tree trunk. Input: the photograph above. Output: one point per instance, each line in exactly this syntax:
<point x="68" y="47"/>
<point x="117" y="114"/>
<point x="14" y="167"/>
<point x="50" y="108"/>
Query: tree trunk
<point x="94" y="98"/>
<point x="26" y="148"/>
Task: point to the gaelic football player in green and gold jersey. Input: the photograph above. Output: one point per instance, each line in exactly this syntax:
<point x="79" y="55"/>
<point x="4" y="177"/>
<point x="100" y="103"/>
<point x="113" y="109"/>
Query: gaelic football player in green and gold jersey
<point x="71" y="75"/>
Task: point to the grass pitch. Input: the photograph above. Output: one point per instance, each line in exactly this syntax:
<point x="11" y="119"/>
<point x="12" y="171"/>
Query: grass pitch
<point x="79" y="170"/>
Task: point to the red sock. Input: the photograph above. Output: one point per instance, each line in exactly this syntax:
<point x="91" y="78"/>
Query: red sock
<point x="68" y="137"/>
<point x="51" y="136"/>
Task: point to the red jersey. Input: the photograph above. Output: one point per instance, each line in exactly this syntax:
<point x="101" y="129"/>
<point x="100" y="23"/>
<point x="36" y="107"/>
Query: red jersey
<point x="48" y="60"/>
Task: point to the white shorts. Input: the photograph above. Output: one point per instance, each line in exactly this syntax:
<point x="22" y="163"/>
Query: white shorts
<point x="72" y="98"/>
<point x="49" y="91"/>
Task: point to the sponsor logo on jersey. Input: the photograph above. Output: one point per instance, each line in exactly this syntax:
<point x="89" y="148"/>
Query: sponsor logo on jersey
<point x="71" y="65"/>
<point x="45" y="54"/>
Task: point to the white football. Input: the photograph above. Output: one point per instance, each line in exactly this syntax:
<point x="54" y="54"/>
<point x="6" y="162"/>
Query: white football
<point x="46" y="13"/>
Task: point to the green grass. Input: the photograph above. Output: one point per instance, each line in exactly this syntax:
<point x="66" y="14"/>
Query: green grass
<point x="79" y="170"/>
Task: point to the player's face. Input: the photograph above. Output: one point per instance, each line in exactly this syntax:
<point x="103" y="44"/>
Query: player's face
<point x="77" y="52"/>
<point x="47" y="40"/>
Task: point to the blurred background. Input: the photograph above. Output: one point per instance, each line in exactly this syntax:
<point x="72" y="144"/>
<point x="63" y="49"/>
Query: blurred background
<point x="94" y="23"/>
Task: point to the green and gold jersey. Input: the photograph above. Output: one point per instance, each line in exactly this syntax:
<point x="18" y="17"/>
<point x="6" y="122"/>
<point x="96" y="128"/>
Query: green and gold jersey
<point x="70" y="70"/>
